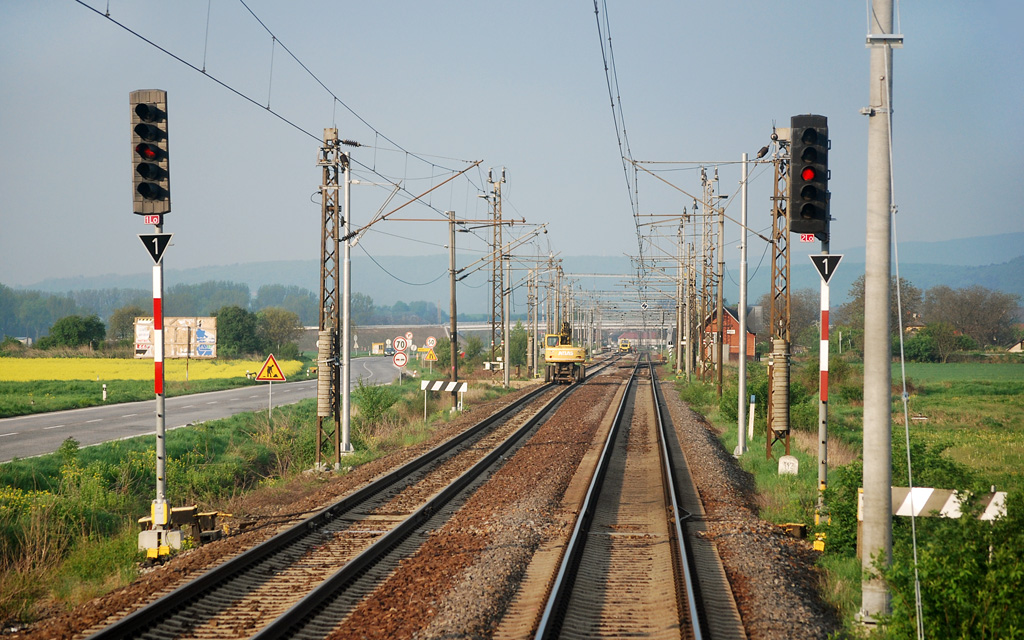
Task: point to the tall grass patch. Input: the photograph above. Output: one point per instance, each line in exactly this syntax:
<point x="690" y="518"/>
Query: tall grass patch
<point x="977" y="423"/>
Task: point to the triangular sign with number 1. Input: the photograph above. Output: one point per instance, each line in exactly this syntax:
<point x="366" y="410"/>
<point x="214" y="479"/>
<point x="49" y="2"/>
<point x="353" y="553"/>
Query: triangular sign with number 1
<point x="156" y="244"/>
<point x="270" y="371"/>
<point x="826" y="264"/>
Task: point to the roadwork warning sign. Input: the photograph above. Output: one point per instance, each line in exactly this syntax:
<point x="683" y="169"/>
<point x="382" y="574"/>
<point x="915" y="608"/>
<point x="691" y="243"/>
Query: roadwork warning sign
<point x="270" y="371"/>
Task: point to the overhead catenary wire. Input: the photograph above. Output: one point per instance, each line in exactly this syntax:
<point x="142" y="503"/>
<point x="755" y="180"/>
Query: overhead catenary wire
<point x="412" y="284"/>
<point x="333" y="95"/>
<point x="267" y="108"/>
<point x="625" y="152"/>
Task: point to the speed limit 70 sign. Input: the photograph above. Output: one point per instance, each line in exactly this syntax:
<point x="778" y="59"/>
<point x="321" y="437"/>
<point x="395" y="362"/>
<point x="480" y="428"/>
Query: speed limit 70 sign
<point x="400" y="343"/>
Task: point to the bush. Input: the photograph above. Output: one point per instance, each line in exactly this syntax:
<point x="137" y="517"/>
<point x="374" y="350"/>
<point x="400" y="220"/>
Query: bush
<point x="918" y="348"/>
<point x="698" y="394"/>
<point x="931" y="469"/>
<point x="74" y="331"/>
<point x="804" y="415"/>
<point x="373" y="401"/>
<point x="970" y="573"/>
<point x="727" y="404"/>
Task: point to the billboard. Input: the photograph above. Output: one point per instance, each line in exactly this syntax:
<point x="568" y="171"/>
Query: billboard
<point x="183" y="338"/>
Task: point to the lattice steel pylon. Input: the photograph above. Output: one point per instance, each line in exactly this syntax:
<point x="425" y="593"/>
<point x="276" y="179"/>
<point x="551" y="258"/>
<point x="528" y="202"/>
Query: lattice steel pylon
<point x="497" y="269"/>
<point x="707" y="279"/>
<point x="779" y="316"/>
<point x="328" y="431"/>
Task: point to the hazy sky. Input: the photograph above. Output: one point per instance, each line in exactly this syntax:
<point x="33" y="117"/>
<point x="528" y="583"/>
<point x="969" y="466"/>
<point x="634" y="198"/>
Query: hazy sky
<point x="517" y="85"/>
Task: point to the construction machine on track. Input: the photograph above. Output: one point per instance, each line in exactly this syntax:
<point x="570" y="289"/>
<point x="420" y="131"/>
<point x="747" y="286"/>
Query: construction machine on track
<point x="565" y="363"/>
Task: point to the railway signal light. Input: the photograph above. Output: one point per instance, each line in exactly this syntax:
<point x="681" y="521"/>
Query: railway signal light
<point x="151" y="171"/>
<point x="808" y="174"/>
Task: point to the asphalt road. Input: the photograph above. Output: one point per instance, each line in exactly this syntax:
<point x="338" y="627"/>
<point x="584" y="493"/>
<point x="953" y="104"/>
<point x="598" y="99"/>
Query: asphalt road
<point x="42" y="433"/>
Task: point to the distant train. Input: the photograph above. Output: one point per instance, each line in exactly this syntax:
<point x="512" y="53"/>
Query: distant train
<point x="624" y="346"/>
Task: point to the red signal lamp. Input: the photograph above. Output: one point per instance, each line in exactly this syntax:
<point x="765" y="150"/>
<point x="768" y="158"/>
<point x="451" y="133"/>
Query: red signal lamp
<point x="149" y="151"/>
<point x="808" y="173"/>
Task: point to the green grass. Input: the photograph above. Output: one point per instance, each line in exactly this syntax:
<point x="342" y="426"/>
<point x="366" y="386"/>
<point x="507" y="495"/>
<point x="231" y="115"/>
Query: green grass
<point x="783" y="498"/>
<point x="972" y="437"/>
<point x="68" y="520"/>
<point x="22" y="398"/>
<point x="960" y="371"/>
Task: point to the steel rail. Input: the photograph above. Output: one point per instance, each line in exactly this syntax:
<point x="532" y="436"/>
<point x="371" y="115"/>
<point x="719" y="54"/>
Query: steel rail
<point x="672" y="490"/>
<point x="551" y="620"/>
<point x="301" y="614"/>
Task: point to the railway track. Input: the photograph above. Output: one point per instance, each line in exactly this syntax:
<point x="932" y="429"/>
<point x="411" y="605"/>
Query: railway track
<point x="560" y="516"/>
<point x="280" y="587"/>
<point x="627" y="569"/>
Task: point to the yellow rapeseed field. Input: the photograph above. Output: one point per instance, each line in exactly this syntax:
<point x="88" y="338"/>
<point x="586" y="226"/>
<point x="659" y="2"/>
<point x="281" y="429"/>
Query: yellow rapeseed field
<point x="29" y="369"/>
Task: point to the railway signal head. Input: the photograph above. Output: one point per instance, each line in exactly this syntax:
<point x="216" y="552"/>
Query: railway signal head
<point x="151" y="171"/>
<point x="808" y="175"/>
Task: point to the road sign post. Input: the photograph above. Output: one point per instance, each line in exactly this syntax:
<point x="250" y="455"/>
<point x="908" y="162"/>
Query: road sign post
<point x="400" y="360"/>
<point x="270" y="372"/>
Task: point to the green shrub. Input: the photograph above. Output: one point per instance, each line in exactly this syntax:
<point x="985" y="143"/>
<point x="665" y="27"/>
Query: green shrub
<point x="971" y="576"/>
<point x="699" y="395"/>
<point x="374" y="401"/>
<point x="931" y="469"/>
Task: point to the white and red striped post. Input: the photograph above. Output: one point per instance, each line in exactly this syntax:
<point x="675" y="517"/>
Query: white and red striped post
<point x="823" y="399"/>
<point x="159" y="512"/>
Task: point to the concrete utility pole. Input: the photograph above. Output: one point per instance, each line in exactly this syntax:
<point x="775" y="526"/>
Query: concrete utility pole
<point x="531" y="321"/>
<point x="721" y="354"/>
<point x="688" y="297"/>
<point x="741" y="312"/>
<point x="452" y="308"/>
<point x="506" y="305"/>
<point x="497" y="271"/>
<point x="680" y="292"/>
<point x="877" y="530"/>
<point x="345" y="446"/>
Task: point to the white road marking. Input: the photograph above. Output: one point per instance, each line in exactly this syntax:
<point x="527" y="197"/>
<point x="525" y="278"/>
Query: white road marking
<point x="4" y="435"/>
<point x="56" y="426"/>
<point x="96" y="420"/>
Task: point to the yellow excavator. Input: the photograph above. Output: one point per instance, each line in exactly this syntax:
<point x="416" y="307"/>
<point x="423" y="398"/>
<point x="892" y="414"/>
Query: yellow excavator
<point x="565" y="363"/>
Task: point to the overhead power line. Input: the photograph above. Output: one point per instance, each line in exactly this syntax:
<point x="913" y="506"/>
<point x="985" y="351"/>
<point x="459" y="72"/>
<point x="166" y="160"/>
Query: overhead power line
<point x="276" y="114"/>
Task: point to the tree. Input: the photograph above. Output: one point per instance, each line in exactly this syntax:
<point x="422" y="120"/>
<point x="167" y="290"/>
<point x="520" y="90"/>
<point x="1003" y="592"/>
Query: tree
<point x="237" y="332"/>
<point x="74" y="331"/>
<point x="944" y="337"/>
<point x="278" y="329"/>
<point x="361" y="309"/>
<point x="122" y="323"/>
<point x="851" y="314"/>
<point x="443" y="351"/>
<point x="517" y="345"/>
<point x="474" y="346"/>
<point x="293" y="298"/>
<point x="985" y="315"/>
<point x="804" y="311"/>
<point x="918" y="348"/>
<point x="200" y="299"/>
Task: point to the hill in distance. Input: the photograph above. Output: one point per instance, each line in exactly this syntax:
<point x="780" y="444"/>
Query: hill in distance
<point x="995" y="262"/>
